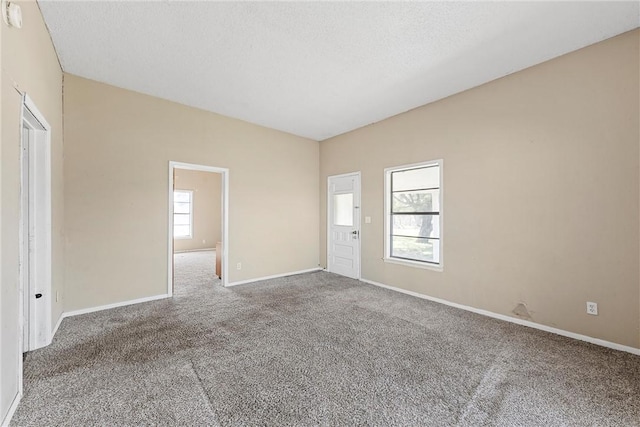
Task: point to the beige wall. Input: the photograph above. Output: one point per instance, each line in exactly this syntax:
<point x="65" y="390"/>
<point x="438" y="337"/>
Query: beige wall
<point x="29" y="64"/>
<point x="118" y="145"/>
<point x="207" y="208"/>
<point x="541" y="191"/>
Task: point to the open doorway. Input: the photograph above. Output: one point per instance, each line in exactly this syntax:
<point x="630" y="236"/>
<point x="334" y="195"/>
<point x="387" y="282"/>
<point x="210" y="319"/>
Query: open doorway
<point x="35" y="228"/>
<point x="198" y="227"/>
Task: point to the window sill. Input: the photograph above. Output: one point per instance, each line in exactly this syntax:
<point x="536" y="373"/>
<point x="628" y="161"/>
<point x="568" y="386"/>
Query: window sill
<point x="183" y="238"/>
<point x="416" y="264"/>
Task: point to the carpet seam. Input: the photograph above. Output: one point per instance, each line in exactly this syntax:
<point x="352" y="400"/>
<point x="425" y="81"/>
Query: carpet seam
<point x="204" y="391"/>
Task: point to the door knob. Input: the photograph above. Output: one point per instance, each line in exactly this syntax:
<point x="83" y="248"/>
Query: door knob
<point x="38" y="295"/>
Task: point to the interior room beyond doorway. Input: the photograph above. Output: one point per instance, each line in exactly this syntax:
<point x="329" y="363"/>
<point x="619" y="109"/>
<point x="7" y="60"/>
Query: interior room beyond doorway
<point x="197" y="229"/>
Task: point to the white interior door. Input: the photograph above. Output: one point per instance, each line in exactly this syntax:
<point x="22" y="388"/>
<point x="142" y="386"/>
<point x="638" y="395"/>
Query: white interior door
<point x="26" y="238"/>
<point x="343" y="240"/>
<point x="35" y="256"/>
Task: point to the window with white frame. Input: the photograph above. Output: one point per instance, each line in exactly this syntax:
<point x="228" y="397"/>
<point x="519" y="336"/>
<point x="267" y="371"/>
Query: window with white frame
<point x="182" y="214"/>
<point x="413" y="214"/>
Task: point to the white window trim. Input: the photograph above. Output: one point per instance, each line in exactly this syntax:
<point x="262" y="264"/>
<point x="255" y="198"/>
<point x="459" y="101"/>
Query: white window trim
<point x="387" y="208"/>
<point x="190" y="236"/>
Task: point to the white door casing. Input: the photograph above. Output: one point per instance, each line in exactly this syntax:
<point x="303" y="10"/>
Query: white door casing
<point x="343" y="224"/>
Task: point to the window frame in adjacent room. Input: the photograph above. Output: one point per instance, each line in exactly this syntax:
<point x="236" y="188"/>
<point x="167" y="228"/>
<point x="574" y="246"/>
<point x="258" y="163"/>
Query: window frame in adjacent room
<point x="190" y="235"/>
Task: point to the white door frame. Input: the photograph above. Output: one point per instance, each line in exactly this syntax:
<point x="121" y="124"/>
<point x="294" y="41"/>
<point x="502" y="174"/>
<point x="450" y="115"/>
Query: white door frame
<point x="225" y="218"/>
<point x="357" y="206"/>
<point x="35" y="155"/>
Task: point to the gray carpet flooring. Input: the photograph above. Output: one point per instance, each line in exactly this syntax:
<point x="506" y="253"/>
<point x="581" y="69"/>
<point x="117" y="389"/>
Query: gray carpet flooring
<point x="317" y="349"/>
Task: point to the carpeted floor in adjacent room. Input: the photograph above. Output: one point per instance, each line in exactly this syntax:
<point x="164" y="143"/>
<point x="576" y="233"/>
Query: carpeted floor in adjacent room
<point x="316" y="349"/>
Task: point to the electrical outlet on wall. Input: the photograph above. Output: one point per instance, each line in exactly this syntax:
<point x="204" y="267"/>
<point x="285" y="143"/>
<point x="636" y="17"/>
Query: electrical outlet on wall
<point x="57" y="296"/>
<point x="239" y="266"/>
<point x="592" y="308"/>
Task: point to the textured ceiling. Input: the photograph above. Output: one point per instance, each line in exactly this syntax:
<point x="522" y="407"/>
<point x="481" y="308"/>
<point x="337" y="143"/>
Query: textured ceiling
<point x="318" y="69"/>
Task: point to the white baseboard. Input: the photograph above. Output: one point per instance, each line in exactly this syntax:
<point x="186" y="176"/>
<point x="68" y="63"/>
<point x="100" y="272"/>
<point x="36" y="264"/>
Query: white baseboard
<point x="522" y="322"/>
<point x="57" y="325"/>
<point x="194" y="250"/>
<point x="275" y="276"/>
<point x="114" y="305"/>
<point x="12" y="410"/>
